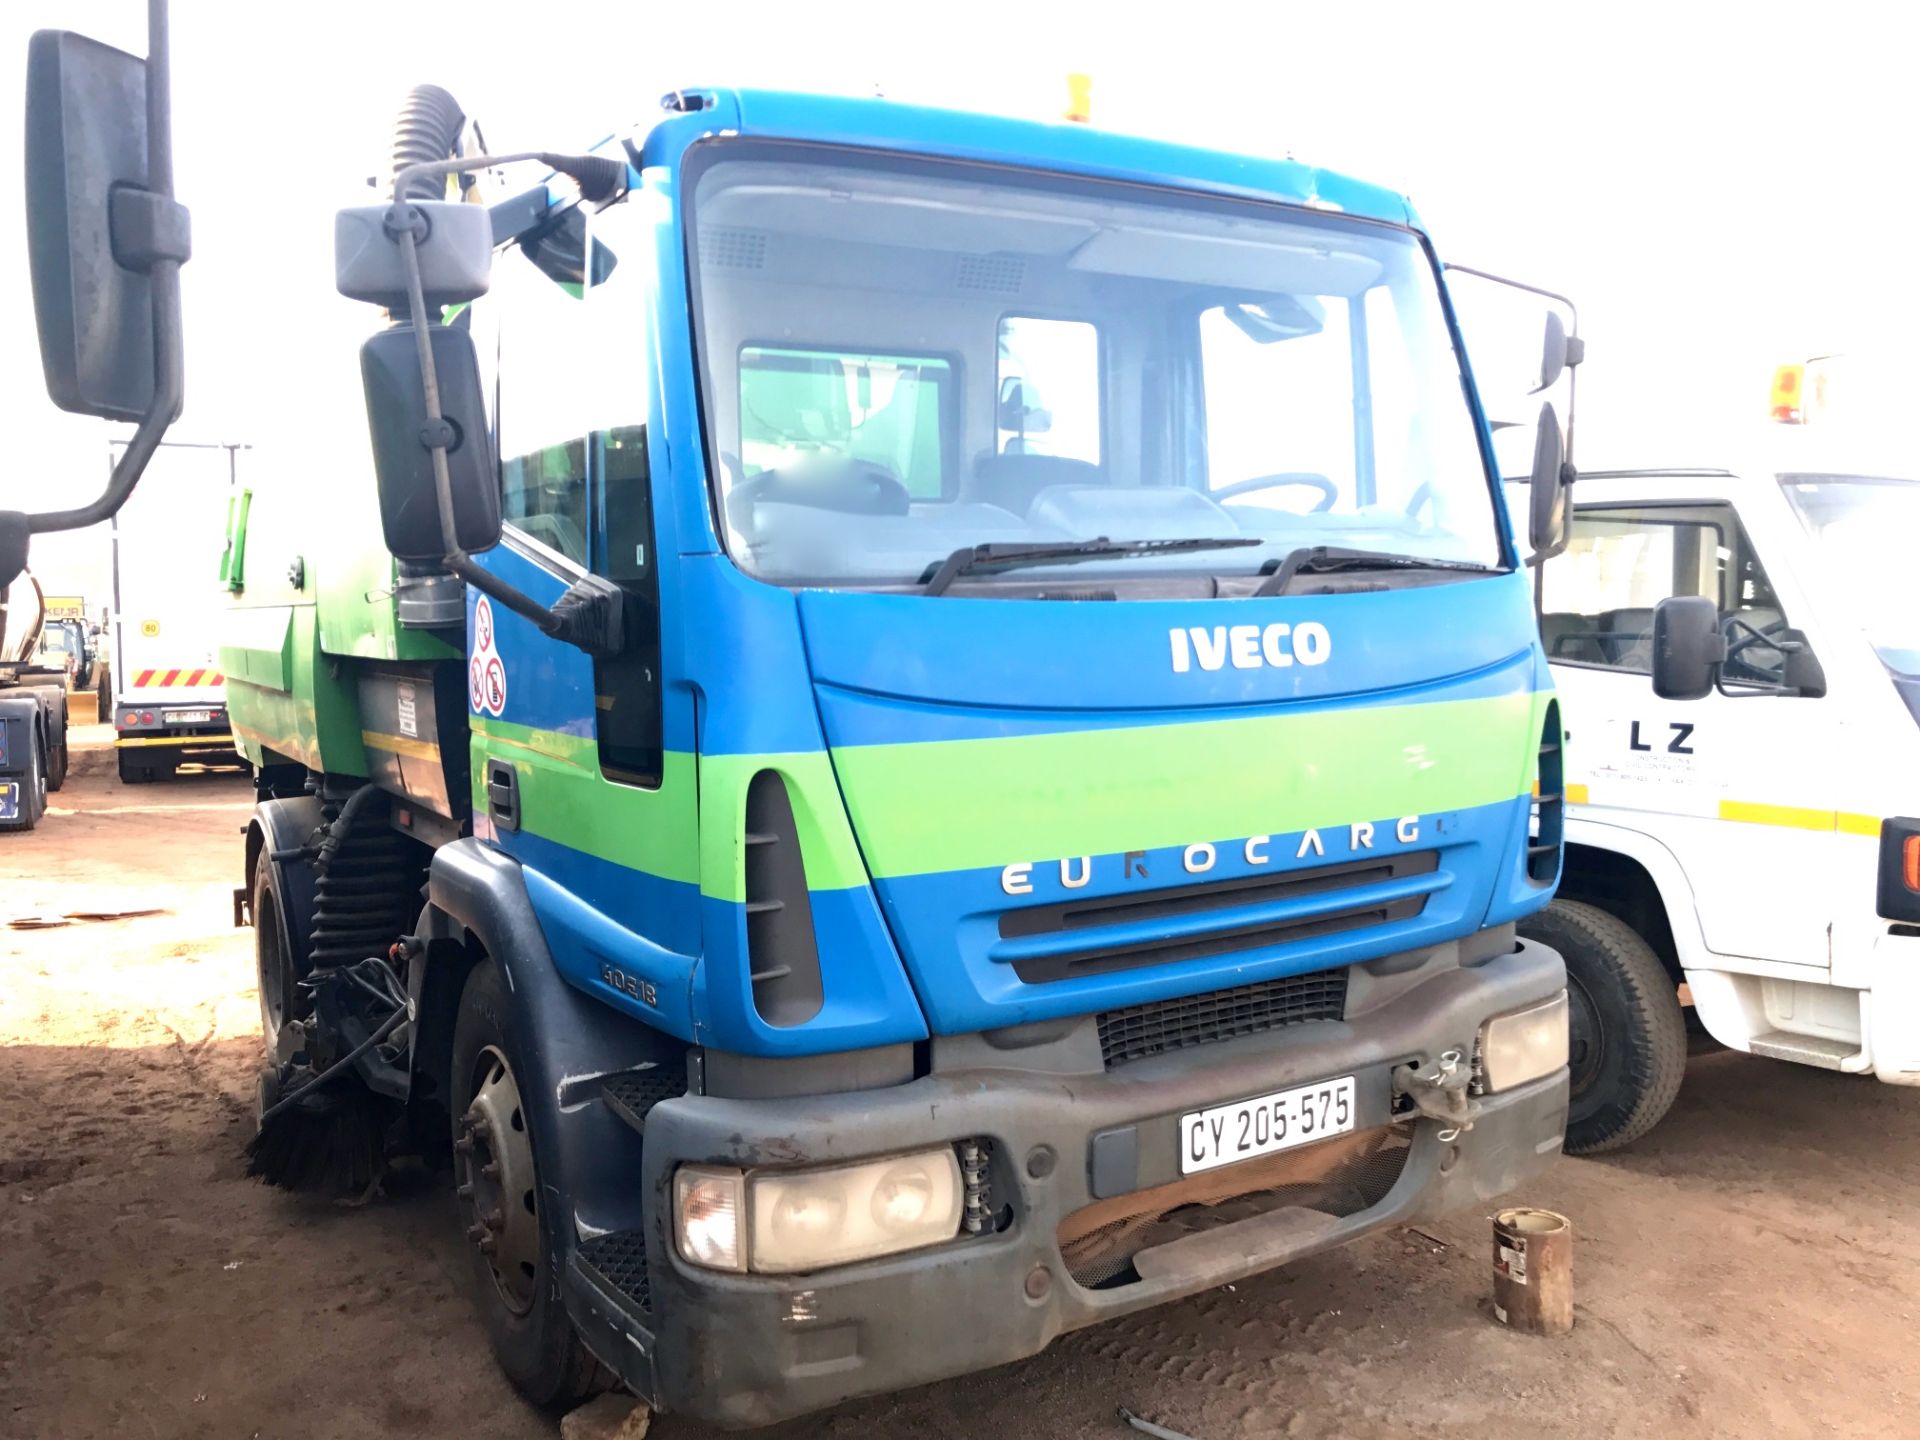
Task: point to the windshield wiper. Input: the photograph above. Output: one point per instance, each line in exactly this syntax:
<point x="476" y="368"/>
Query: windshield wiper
<point x="1326" y="559"/>
<point x="977" y="559"/>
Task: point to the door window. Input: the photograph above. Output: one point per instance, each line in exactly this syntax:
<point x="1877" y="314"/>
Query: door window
<point x="1622" y="561"/>
<point x="570" y="404"/>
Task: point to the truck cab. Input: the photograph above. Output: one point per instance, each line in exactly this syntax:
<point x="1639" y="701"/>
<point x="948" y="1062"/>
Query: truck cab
<point x="1046" y="830"/>
<point x="1748" y="844"/>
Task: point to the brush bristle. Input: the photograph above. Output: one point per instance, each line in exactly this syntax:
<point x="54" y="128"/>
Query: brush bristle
<point x="338" y="1150"/>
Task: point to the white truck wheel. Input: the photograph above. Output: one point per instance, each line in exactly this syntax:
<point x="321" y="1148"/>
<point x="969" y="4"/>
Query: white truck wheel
<point x="1628" y="1037"/>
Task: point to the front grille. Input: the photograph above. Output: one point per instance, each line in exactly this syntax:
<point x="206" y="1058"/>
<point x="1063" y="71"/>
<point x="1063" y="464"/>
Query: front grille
<point x="621" y="1258"/>
<point x="1189" y="902"/>
<point x="1142" y="1030"/>
<point x="1335" y="1178"/>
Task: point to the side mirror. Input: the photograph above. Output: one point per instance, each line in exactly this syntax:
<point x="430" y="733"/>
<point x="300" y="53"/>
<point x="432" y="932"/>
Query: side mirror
<point x="93" y="228"/>
<point x="1688" y="647"/>
<point x="454" y="243"/>
<point x="1547" y="489"/>
<point x="1553" y="356"/>
<point x="402" y="461"/>
<point x="1803" y="673"/>
<point x="1020" y="410"/>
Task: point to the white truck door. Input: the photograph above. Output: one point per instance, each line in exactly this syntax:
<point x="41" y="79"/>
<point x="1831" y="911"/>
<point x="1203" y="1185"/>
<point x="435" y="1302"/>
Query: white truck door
<point x="168" y="600"/>
<point x="1737" y="789"/>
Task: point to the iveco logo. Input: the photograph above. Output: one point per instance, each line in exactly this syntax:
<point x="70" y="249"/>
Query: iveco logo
<point x="1248" y="647"/>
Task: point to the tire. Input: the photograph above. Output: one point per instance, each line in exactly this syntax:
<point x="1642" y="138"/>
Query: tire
<point x="57" y="767"/>
<point x="533" y="1340"/>
<point x="103" y="698"/>
<point x="33" y="788"/>
<point x="131" y="771"/>
<point x="275" y="968"/>
<point x="1627" y="1035"/>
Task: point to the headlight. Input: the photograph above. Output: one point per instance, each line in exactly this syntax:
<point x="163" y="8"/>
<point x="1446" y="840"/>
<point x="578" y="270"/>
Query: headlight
<point x="805" y="1219"/>
<point x="1525" y="1045"/>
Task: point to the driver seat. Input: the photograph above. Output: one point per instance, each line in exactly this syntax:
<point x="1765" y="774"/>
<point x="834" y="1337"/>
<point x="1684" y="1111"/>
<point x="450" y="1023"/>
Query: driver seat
<point x="1014" y="480"/>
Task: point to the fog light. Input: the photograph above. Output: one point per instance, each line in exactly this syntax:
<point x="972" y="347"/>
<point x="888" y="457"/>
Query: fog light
<point x="706" y="1216"/>
<point x="1525" y="1045"/>
<point x="806" y="1219"/>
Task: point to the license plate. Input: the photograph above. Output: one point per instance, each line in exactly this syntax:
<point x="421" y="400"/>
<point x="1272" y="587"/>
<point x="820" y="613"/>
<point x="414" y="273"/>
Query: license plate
<point x="9" y="799"/>
<point x="1249" y="1128"/>
<point x="189" y="717"/>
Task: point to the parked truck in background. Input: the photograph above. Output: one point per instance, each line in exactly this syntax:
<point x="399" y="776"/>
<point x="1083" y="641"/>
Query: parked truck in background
<point x="1752" y="839"/>
<point x="954" y="731"/>
<point x="169" y="696"/>
<point x="33" y="710"/>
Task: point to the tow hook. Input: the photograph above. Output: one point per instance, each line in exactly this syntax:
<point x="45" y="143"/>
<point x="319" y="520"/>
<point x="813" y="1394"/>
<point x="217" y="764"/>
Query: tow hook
<point x="1440" y="1093"/>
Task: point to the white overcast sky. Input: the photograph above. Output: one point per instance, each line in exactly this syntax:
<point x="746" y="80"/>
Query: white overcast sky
<point x="1715" y="184"/>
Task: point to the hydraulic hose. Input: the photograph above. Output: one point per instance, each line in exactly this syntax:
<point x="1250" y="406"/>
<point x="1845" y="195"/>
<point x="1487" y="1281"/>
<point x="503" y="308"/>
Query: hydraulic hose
<point x="427" y="129"/>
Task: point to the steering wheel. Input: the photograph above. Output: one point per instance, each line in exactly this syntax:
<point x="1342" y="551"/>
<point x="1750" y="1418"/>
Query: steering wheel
<point x="825" y="482"/>
<point x="1756" y="635"/>
<point x="1329" y="492"/>
<point x="1420" y="498"/>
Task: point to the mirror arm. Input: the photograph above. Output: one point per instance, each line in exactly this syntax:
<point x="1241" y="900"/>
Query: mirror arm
<point x="589" y="615"/>
<point x="150" y="231"/>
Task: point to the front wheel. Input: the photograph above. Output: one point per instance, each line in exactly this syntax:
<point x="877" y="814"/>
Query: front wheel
<point x="499" y="1208"/>
<point x="32" y="801"/>
<point x="1627" y="1037"/>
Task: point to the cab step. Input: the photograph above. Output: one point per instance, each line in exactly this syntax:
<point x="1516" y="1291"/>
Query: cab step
<point x="1827" y="1054"/>
<point x="632" y="1093"/>
<point x="619" y="1262"/>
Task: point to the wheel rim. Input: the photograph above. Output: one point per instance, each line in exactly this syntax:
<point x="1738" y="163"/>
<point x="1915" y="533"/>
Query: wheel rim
<point x="498" y="1192"/>
<point x="1586" y="1039"/>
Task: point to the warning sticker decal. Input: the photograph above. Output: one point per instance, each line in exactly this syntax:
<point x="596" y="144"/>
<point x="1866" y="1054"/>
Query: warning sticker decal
<point x="486" y="671"/>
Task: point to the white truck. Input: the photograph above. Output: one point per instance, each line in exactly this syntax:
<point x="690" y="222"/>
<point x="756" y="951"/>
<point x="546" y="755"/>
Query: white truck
<point x="169" y="695"/>
<point x="1754" y="840"/>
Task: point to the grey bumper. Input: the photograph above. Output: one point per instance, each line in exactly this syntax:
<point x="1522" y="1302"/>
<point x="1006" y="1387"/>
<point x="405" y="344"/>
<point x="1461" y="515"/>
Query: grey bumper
<point x="749" y="1350"/>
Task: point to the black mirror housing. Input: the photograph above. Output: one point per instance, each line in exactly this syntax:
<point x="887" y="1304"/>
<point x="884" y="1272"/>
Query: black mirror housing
<point x="1547" y="488"/>
<point x="1688" y="647"/>
<point x="1553" y="353"/>
<point x="402" y="461"/>
<point x="87" y="160"/>
<point x="1803" y="673"/>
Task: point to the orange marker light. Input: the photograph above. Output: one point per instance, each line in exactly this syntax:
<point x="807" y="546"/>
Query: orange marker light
<point x="1910" y="862"/>
<point x="1784" y="405"/>
<point x="1079" y="98"/>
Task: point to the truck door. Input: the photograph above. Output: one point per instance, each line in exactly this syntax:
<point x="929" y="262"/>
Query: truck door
<point x="1737" y="789"/>
<point x="582" y="767"/>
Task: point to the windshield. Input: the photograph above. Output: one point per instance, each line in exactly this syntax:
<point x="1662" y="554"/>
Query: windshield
<point x="903" y="358"/>
<point x="1865" y="526"/>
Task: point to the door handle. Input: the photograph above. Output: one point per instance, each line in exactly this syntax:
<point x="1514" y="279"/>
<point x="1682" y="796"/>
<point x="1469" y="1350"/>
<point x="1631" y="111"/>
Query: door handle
<point x="503" y="795"/>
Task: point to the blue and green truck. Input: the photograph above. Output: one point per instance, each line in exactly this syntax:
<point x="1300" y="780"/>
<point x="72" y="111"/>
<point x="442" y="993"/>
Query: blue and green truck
<point x="928" y="732"/>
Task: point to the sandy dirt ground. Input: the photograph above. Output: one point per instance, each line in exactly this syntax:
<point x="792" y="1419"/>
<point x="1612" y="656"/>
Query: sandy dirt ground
<point x="1750" y="1269"/>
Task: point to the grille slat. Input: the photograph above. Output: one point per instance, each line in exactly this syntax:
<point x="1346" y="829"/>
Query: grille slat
<point x="1225" y="917"/>
<point x="1142" y="1030"/>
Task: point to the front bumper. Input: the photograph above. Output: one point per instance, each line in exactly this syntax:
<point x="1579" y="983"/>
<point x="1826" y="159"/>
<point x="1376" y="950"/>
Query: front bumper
<point x="744" y="1350"/>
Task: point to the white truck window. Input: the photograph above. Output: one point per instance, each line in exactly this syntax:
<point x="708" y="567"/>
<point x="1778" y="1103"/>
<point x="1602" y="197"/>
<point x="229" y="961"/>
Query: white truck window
<point x="1623" y="561"/>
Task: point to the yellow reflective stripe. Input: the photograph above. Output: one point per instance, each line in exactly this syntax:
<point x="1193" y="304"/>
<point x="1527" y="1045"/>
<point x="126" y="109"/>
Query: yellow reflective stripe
<point x="226" y="740"/>
<point x="1796" y="818"/>
<point x="1792" y="817"/>
<point x="400" y="745"/>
